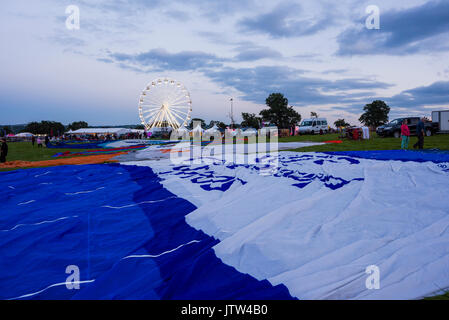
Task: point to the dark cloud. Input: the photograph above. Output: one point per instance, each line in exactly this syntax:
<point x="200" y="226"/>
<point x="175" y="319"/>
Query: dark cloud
<point x="423" y="28"/>
<point x="253" y="53"/>
<point x="162" y="60"/>
<point x="257" y="83"/>
<point x="435" y="94"/>
<point x="282" y="22"/>
<point x="335" y="71"/>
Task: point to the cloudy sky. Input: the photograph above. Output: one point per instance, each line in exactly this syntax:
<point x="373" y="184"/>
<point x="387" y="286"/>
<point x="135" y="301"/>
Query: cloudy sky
<point x="319" y="54"/>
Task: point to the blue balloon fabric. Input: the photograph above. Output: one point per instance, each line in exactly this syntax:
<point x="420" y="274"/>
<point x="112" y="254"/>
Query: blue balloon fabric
<point x="126" y="233"/>
<point x="123" y="231"/>
<point x="436" y="156"/>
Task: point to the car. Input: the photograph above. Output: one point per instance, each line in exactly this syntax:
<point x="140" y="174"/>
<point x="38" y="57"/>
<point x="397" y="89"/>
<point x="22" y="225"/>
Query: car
<point x="313" y="125"/>
<point x="393" y="128"/>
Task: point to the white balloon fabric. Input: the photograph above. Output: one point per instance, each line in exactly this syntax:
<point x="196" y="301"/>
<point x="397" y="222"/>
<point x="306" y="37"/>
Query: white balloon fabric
<point x="321" y="220"/>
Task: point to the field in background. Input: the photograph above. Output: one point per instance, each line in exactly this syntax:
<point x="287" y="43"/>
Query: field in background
<point x="26" y="152"/>
<point x="439" y="141"/>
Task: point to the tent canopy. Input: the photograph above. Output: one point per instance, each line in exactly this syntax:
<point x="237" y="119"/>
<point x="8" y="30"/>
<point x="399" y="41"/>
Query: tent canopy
<point x="249" y="131"/>
<point x="197" y="129"/>
<point x="117" y="131"/>
<point x="212" y="129"/>
<point x="24" y="134"/>
<point x="182" y="129"/>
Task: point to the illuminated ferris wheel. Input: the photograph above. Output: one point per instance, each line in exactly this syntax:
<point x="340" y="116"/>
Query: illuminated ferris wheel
<point x="165" y="103"/>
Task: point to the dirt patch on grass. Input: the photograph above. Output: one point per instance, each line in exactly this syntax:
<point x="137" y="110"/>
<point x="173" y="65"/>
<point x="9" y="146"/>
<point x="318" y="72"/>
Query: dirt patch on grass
<point x="60" y="162"/>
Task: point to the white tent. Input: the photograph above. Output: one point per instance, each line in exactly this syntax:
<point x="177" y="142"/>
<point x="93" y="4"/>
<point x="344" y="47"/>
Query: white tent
<point x="213" y="129"/>
<point x="101" y="131"/>
<point x="198" y="129"/>
<point x="160" y="129"/>
<point x="24" y="134"/>
<point x="182" y="130"/>
<point x="249" y="132"/>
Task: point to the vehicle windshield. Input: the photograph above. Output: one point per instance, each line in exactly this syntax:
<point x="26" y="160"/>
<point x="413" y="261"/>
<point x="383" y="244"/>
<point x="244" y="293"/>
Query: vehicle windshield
<point x="306" y="123"/>
<point x="394" y="122"/>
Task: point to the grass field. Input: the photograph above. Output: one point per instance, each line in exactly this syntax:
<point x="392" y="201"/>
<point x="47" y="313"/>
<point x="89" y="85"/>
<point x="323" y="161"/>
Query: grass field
<point x="440" y="297"/>
<point x="26" y="152"/>
<point x="439" y="141"/>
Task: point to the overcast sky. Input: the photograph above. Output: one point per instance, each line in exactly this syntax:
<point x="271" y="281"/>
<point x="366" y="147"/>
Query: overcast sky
<point x="319" y="54"/>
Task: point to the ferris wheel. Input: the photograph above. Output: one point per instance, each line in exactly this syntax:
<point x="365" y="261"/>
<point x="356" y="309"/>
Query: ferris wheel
<point x="165" y="103"/>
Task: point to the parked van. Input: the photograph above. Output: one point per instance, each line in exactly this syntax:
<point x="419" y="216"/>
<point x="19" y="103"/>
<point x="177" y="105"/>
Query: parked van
<point x="313" y="125"/>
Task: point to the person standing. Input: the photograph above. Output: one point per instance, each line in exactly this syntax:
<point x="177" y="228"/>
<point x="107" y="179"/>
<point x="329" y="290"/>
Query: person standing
<point x="47" y="141"/>
<point x="420" y="134"/>
<point x="3" y="150"/>
<point x="405" y="135"/>
<point x="33" y="140"/>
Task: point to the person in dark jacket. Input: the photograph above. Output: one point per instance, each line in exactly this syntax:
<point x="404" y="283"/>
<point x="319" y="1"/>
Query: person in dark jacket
<point x="420" y="134"/>
<point x="47" y="141"/>
<point x="33" y="140"/>
<point x="3" y="150"/>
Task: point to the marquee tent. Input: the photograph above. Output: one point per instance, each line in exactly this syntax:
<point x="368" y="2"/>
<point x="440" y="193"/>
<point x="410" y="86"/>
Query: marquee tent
<point x="100" y="131"/>
<point x="249" y="131"/>
<point x="24" y="135"/>
<point x="212" y="129"/>
<point x="197" y="129"/>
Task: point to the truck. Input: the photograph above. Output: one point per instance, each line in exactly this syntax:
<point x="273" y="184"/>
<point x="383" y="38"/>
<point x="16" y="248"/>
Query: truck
<point x="393" y="128"/>
<point x="441" y="119"/>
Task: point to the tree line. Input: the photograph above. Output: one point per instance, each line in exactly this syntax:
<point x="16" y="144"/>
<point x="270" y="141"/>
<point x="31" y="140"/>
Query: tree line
<point x="51" y="128"/>
<point x="283" y="116"/>
<point x="278" y="113"/>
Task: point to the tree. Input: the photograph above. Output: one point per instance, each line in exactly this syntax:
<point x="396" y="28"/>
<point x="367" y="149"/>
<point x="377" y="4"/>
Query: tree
<point x="219" y="124"/>
<point x="5" y="131"/>
<point x="376" y="114"/>
<point x="251" y="120"/>
<point x="279" y="113"/>
<point x="341" y="123"/>
<point x="313" y="114"/>
<point x="45" y="127"/>
<point x="77" y="125"/>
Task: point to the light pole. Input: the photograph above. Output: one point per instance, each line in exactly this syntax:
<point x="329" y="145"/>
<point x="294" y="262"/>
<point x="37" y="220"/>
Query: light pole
<point x="231" y="115"/>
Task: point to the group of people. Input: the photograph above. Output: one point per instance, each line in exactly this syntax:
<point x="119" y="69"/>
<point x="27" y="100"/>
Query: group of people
<point x="39" y="141"/>
<point x="405" y="135"/>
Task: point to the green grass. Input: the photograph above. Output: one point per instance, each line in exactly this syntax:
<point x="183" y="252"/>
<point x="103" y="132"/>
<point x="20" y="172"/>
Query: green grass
<point x="26" y="152"/>
<point x="440" y="297"/>
<point x="439" y="141"/>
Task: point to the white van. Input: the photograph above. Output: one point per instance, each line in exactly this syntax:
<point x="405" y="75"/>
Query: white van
<point x="313" y="125"/>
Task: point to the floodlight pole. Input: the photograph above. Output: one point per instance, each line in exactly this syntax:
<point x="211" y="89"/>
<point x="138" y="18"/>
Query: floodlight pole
<point x="232" y="113"/>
